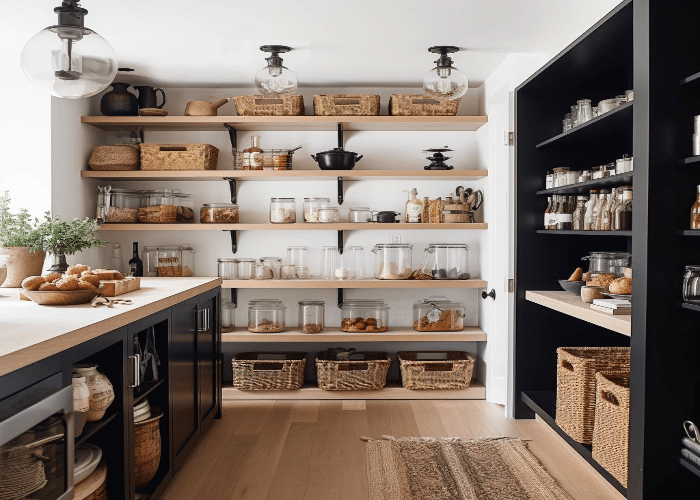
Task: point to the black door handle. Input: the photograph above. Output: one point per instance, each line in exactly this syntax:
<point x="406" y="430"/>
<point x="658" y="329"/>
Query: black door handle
<point x="491" y="294"/>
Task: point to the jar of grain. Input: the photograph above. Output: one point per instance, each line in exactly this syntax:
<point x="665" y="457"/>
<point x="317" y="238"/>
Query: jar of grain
<point x="311" y="314"/>
<point x="266" y="318"/>
<point x="283" y="210"/>
<point x="118" y="206"/>
<point x="158" y="207"/>
<point x="312" y="207"/>
<point x="329" y="214"/>
<point x="218" y="213"/>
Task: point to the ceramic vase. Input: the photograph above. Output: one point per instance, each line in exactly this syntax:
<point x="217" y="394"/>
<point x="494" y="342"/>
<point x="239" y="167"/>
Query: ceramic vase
<point x="81" y="402"/>
<point x="101" y="390"/>
<point x="119" y="101"/>
<point x="21" y="263"/>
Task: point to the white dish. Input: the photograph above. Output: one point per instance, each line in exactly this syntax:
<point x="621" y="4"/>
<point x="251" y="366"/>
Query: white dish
<point x="90" y="468"/>
<point x="142" y="417"/>
<point x="141" y="405"/>
<point x="83" y="456"/>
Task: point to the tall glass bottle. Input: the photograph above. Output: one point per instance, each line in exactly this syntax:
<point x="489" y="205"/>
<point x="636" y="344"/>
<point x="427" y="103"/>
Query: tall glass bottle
<point x="609" y="212"/>
<point x="579" y="213"/>
<point x="564" y="217"/>
<point x="695" y="213"/>
<point x="589" y="218"/>
<point x="603" y="201"/>
<point x="252" y="156"/>
<point x="623" y="212"/>
<point x="547" y="212"/>
<point x="414" y="207"/>
<point x="553" y="217"/>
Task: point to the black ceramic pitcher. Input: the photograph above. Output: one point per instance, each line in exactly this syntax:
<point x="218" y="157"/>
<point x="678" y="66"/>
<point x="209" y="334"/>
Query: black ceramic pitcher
<point x="119" y="101"/>
<point x="148" y="98"/>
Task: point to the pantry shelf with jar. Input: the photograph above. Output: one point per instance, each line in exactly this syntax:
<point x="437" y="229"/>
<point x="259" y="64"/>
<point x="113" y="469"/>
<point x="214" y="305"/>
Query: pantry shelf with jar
<point x="323" y="226"/>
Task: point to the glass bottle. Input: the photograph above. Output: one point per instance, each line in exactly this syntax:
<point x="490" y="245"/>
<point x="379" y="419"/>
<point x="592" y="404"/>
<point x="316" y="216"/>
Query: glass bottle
<point x="564" y="216"/>
<point x="547" y="212"/>
<point x="549" y="180"/>
<point x="591" y="211"/>
<point x="603" y="200"/>
<point x="608" y="214"/>
<point x="117" y="261"/>
<point x="623" y="212"/>
<point x="552" y="221"/>
<point x="580" y="213"/>
<point x="414" y="207"/>
<point x="136" y="264"/>
<point x="252" y="156"/>
<point x="584" y="111"/>
<point x="695" y="213"/>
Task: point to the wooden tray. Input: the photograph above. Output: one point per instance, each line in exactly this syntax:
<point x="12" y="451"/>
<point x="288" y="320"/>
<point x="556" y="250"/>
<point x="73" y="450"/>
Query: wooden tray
<point x="112" y="288"/>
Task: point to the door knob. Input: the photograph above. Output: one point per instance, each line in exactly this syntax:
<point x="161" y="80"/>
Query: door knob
<point x="491" y="294"/>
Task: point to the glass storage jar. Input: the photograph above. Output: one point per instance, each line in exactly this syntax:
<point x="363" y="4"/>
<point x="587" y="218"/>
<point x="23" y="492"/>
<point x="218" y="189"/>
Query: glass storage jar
<point x="393" y="261"/>
<point x="149" y="257"/>
<point x="158" y="207"/>
<point x="227" y="268"/>
<point x="298" y="256"/>
<point x="228" y="313"/>
<point x="283" y="210"/>
<point x="446" y="261"/>
<point x="264" y="302"/>
<point x="168" y="261"/>
<point x="364" y="316"/>
<point x="584" y="175"/>
<point x="218" y="213"/>
<point x="560" y="176"/>
<point x="266" y="318"/>
<point x="438" y="314"/>
<point x="329" y="214"/>
<point x="185" y="207"/>
<point x="572" y="177"/>
<point x="245" y="269"/>
<point x="262" y="272"/>
<point x="312" y="206"/>
<point x="311" y="314"/>
<point x="691" y="285"/>
<point x="360" y="214"/>
<point x="116" y="206"/>
<point x="608" y="262"/>
<point x="274" y="264"/>
<point x="288" y="272"/>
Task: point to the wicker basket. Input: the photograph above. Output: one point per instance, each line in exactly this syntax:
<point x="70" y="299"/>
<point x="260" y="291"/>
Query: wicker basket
<point x="362" y="371"/>
<point x="346" y="105"/>
<point x="285" y="373"/>
<point x="256" y="105"/>
<point x="147" y="448"/>
<point x="178" y="157"/>
<point x="454" y="371"/>
<point x="421" y="105"/>
<point x="117" y="157"/>
<point x="612" y="423"/>
<point x="576" y="369"/>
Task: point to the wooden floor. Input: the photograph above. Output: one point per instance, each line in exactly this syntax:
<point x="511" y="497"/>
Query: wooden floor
<point x="294" y="450"/>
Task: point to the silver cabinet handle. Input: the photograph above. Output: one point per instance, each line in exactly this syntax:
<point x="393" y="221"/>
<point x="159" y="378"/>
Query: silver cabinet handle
<point x="207" y="319"/>
<point x="136" y="370"/>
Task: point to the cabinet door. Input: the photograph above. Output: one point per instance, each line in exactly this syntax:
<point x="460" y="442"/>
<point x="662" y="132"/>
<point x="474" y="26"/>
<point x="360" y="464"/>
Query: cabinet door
<point x="208" y="361"/>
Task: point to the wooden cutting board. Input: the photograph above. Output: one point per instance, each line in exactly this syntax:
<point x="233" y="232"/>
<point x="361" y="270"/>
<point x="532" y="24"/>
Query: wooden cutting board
<point x="112" y="288"/>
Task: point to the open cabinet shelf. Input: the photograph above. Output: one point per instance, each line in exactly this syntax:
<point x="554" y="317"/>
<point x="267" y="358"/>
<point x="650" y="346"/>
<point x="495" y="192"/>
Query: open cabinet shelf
<point x="335" y="335"/>
<point x="299" y="226"/>
<point x="366" y="283"/>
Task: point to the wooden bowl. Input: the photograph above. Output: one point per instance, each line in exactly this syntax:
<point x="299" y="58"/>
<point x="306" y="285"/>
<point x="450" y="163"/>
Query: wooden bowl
<point x="60" y="298"/>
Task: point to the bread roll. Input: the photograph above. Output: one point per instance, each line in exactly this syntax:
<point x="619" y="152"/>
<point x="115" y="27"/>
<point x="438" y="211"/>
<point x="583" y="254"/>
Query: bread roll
<point x="91" y="278"/>
<point x="577" y="275"/>
<point x="52" y="277"/>
<point x="33" y="283"/>
<point x="622" y="286"/>
<point x="48" y="287"/>
<point x="77" y="269"/>
<point x="66" y="284"/>
<point x="86" y="285"/>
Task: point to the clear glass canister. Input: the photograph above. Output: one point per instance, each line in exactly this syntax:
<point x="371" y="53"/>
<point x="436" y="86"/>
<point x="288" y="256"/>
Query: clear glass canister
<point x="364" y="316"/>
<point x="245" y="269"/>
<point x="311" y="314"/>
<point x="116" y="206"/>
<point x="283" y="210"/>
<point x="572" y="177"/>
<point x="185" y="207"/>
<point x="264" y="302"/>
<point x="266" y="318"/>
<point x="691" y="285"/>
<point x="298" y="256"/>
<point x="274" y="264"/>
<point x="158" y="207"/>
<point x="608" y="262"/>
<point x="446" y="261"/>
<point x="312" y="206"/>
<point x="218" y="213"/>
<point x="393" y="261"/>
<point x="438" y="314"/>
<point x="329" y="214"/>
<point x="560" y="176"/>
<point x="262" y="272"/>
<point x="227" y="268"/>
<point x="584" y="175"/>
<point x="149" y="257"/>
<point x="360" y="214"/>
<point x="288" y="272"/>
<point x="168" y="261"/>
<point x="228" y="313"/>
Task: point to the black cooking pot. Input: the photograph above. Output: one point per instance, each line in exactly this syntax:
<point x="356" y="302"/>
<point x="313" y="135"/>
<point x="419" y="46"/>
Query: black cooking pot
<point x="386" y="216"/>
<point x="336" y="159"/>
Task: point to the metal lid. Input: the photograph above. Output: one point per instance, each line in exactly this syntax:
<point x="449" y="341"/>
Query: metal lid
<point x="312" y="302"/>
<point x="380" y="246"/>
<point x="438" y="300"/>
<point x="227" y="260"/>
<point x="318" y="199"/>
<point x="219" y="205"/>
<point x="267" y="307"/>
<point x="367" y="305"/>
<point x="360" y="209"/>
<point x="271" y="258"/>
<point x="246" y="260"/>
<point x="448" y="245"/>
<point x="283" y="199"/>
<point x="264" y="301"/>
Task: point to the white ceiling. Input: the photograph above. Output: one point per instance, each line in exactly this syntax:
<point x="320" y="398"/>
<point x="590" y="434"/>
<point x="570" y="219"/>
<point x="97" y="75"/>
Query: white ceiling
<point x="351" y="43"/>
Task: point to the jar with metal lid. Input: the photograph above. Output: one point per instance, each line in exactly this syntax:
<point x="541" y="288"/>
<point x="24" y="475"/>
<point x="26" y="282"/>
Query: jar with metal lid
<point x="245" y="269"/>
<point x="393" y="261"/>
<point x="584" y="175"/>
<point x="168" y="261"/>
<point x="283" y="210"/>
<point x="560" y="176"/>
<point x="312" y="206"/>
<point x="274" y="264"/>
<point x="572" y="177"/>
<point x="360" y="214"/>
<point x="691" y="285"/>
<point x="446" y="261"/>
<point x="266" y="318"/>
<point x="608" y="262"/>
<point x="218" y="213"/>
<point x="329" y="214"/>
<point x="311" y="313"/>
<point x="438" y="314"/>
<point x="623" y="165"/>
<point x="227" y="268"/>
<point x="159" y="207"/>
<point x="228" y="313"/>
<point x="364" y="316"/>
<point x="116" y="206"/>
<point x="298" y="256"/>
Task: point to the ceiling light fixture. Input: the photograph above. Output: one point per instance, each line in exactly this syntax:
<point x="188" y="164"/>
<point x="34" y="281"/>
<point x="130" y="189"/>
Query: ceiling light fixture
<point x="69" y="60"/>
<point x="275" y="78"/>
<point x="445" y="81"/>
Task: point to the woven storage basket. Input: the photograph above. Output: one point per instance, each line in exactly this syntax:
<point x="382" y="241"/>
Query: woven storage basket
<point x="455" y="372"/>
<point x="421" y="105"/>
<point x="253" y="374"/>
<point x="363" y="370"/>
<point x="256" y="105"/>
<point x="178" y="157"/>
<point x="147" y="448"/>
<point x="612" y="423"/>
<point x="117" y="157"/>
<point x="346" y="105"/>
<point x="576" y="369"/>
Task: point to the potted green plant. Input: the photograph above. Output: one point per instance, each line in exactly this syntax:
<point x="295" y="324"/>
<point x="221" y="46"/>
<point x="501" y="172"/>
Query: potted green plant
<point x="61" y="238"/>
<point x="20" y="244"/>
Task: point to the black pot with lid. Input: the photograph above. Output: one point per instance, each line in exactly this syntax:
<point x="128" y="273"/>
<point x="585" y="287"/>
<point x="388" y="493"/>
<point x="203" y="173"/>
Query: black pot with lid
<point x="386" y="216"/>
<point x="337" y="158"/>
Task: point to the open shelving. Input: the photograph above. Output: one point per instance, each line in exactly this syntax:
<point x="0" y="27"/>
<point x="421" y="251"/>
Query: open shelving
<point x="407" y="334"/>
<point x="570" y="232"/>
<point x="92" y="427"/>
<point x="365" y="283"/>
<point x="585" y="187"/>
<point x="299" y="226"/>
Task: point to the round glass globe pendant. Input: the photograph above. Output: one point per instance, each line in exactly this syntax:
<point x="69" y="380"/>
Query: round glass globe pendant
<point x="275" y="79"/>
<point x="445" y="81"/>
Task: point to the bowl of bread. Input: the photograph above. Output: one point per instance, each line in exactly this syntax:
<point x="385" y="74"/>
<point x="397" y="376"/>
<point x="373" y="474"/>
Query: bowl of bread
<point x="79" y="285"/>
<point x="612" y="284"/>
<point x="574" y="283"/>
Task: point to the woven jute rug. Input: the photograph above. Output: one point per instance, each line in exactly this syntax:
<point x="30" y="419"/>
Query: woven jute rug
<point x="453" y="469"/>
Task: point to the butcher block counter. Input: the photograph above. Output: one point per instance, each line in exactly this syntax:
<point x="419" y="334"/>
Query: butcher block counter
<point x="30" y="332"/>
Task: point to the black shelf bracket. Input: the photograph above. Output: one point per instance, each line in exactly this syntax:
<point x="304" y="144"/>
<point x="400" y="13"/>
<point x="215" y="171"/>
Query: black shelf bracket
<point x="340" y="297"/>
<point x="341" y="241"/>
<point x="234" y="240"/>
<point x="232" y="184"/>
<point x="232" y="132"/>
<point x="234" y="297"/>
<point x="341" y="191"/>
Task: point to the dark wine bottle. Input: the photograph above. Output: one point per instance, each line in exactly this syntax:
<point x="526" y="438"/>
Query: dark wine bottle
<point x="136" y="264"/>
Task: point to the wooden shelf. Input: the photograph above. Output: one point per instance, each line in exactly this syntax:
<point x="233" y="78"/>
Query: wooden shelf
<point x="572" y="305"/>
<point x="585" y="233"/>
<point x="691" y="80"/>
<point x="404" y="334"/>
<point x="692" y="307"/>
<point x="585" y="187"/>
<point x="271" y="175"/>
<point x="689" y="160"/>
<point x="145" y="389"/>
<point x="689" y="232"/>
<point x="366" y="283"/>
<point x="92" y="427"/>
<point x="288" y="123"/>
<point x="476" y="390"/>
<point x="299" y="226"/>
<point x="543" y="403"/>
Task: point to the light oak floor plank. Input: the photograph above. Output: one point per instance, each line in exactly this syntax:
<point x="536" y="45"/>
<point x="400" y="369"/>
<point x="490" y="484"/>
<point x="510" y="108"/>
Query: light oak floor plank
<point x="289" y="481"/>
<point x="307" y="411"/>
<point x="327" y="456"/>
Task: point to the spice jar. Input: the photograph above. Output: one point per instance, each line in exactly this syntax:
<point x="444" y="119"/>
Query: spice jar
<point x="364" y="316"/>
<point x="218" y="213"/>
<point x="392" y="261"/>
<point x="312" y="206"/>
<point x="438" y="314"/>
<point x="116" y="206"/>
<point x="572" y="177"/>
<point x="245" y="269"/>
<point x="329" y="214"/>
<point x="266" y="318"/>
<point x="360" y="214"/>
<point x="274" y="264"/>
<point x="283" y="210"/>
<point x="227" y="268"/>
<point x="691" y="285"/>
<point x="311" y="314"/>
<point x="549" y="180"/>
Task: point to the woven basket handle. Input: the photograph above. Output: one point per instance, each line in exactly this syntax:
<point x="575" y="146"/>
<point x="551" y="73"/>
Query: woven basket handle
<point x="265" y="100"/>
<point x="346" y="101"/>
<point x="609" y="397"/>
<point x="567" y="365"/>
<point x="352" y="367"/>
<point x="438" y="367"/>
<point x="172" y="148"/>
<point x="424" y="100"/>
<point x="268" y="367"/>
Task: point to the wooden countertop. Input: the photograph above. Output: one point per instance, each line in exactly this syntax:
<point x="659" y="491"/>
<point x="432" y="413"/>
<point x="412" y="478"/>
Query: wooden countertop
<point x="30" y="332"/>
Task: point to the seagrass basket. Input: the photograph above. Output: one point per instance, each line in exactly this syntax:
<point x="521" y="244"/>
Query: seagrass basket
<point x="116" y="157"/>
<point x="361" y="371"/>
<point x="576" y="385"/>
<point x="612" y="423"/>
<point x="178" y="157"/>
<point x="147" y="448"/>
<point x="284" y="373"/>
<point x="421" y="105"/>
<point x="346" y="105"/>
<point x="447" y="369"/>
<point x="256" y="105"/>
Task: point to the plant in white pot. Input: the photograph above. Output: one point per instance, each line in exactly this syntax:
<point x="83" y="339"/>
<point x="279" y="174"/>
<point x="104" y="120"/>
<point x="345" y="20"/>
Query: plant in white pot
<point x="61" y="238"/>
<point x="20" y="243"/>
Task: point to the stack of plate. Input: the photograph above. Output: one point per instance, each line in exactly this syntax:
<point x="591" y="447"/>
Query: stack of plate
<point x="21" y="472"/>
<point x="142" y="411"/>
<point x="87" y="457"/>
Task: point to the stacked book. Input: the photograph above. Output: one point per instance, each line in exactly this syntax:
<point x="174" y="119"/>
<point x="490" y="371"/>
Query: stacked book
<point x="691" y="452"/>
<point x="612" y="306"/>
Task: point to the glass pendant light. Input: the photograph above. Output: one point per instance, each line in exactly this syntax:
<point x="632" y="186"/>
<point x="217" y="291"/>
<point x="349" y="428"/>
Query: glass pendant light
<point x="69" y="60"/>
<point x="445" y="81"/>
<point x="275" y="78"/>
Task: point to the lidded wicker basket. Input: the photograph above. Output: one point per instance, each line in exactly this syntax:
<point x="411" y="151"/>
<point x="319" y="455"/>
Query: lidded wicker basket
<point x="421" y="105"/>
<point x="178" y="157"/>
<point x="360" y="371"/>
<point x="116" y="157"/>
<point x="346" y="105"/>
<point x="257" y="105"/>
<point x="612" y="423"/>
<point x="446" y="369"/>
<point x="268" y="371"/>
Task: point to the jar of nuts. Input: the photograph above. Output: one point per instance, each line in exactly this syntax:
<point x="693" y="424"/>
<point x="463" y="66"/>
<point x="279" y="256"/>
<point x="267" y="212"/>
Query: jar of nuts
<point x="311" y="314"/>
<point x="266" y="318"/>
<point x="218" y="213"/>
<point x="364" y="316"/>
<point x="283" y="210"/>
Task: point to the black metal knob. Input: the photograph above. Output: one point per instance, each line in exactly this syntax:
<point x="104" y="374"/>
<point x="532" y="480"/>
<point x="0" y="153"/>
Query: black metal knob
<point x="491" y="294"/>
